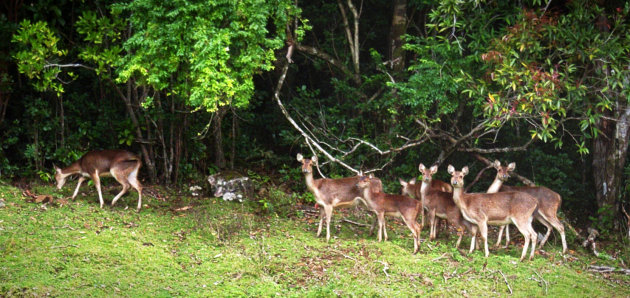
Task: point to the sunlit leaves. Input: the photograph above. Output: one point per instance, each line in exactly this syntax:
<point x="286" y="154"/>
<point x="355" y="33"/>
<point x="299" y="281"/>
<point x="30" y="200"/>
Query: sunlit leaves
<point x="207" y="52"/>
<point x="39" y="49"/>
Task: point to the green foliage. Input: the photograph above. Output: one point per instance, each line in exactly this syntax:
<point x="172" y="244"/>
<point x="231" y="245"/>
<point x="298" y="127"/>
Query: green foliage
<point x="205" y="52"/>
<point x="37" y="55"/>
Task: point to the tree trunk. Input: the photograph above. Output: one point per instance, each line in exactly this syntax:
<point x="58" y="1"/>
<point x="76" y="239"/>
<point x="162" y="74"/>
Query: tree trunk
<point x="397" y="30"/>
<point x="219" y="155"/>
<point x="609" y="157"/>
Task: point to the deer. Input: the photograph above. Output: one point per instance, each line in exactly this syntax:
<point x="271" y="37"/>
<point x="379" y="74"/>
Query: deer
<point x="383" y="204"/>
<point x="120" y="164"/>
<point x="412" y="189"/>
<point x="502" y="175"/>
<point x="548" y="203"/>
<point x="498" y="208"/>
<point x="332" y="193"/>
<point x="438" y="202"/>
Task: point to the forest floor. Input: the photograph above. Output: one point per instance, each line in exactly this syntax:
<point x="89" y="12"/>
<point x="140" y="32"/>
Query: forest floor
<point x="184" y="246"/>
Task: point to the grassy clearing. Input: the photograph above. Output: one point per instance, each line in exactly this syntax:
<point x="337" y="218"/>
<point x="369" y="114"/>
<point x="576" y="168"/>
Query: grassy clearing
<point x="226" y="249"/>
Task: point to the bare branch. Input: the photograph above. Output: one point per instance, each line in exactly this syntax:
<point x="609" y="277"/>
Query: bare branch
<point x="297" y="127"/>
<point x="497" y="150"/>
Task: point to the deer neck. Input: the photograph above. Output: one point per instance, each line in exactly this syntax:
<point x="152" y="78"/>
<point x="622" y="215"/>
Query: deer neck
<point x="458" y="193"/>
<point x="73" y="168"/>
<point x="310" y="182"/>
<point x="495" y="186"/>
<point x="424" y="189"/>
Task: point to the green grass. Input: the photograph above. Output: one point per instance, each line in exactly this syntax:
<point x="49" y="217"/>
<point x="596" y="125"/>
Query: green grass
<point x="221" y="248"/>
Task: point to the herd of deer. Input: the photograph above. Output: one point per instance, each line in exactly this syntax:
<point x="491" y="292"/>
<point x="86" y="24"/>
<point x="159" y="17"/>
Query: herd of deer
<point x="500" y="205"/>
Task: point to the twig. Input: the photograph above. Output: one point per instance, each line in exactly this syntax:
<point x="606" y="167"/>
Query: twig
<point x="606" y="269"/>
<point x="544" y="282"/>
<point x="355" y="223"/>
<point x="385" y="267"/>
<point x="477" y="178"/>
<point x="440" y="257"/>
<point x="506" y="282"/>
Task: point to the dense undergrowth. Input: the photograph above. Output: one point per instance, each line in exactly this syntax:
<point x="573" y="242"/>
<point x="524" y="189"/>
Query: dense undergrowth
<point x="185" y="246"/>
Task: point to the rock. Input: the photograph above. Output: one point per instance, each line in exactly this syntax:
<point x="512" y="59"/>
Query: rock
<point x="195" y="190"/>
<point x="238" y="188"/>
<point x="2" y="204"/>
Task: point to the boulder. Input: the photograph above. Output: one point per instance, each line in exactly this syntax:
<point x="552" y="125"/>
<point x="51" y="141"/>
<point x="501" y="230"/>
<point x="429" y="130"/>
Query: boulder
<point x="231" y="189"/>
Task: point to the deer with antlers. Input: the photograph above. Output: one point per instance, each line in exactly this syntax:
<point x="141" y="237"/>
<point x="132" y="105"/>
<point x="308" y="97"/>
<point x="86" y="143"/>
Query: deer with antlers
<point x="483" y="209"/>
<point x="333" y="193"/>
<point x="548" y="203"/>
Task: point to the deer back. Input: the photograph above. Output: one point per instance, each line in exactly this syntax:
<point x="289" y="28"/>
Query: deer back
<point x="344" y="189"/>
<point x="441" y="186"/>
<point x="547" y="198"/>
<point x="104" y="160"/>
<point x="498" y="206"/>
<point x="391" y="203"/>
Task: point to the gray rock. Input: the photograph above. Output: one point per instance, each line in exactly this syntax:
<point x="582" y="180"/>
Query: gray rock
<point x="239" y="188"/>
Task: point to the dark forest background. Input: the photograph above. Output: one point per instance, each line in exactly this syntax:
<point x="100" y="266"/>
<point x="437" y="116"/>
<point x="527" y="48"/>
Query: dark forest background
<point x="378" y="86"/>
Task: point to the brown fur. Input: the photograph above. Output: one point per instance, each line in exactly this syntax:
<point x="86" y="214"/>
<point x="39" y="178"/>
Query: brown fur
<point x="500" y="208"/>
<point x="120" y="164"/>
<point x="548" y="202"/>
<point x="392" y="205"/>
<point x="333" y="193"/>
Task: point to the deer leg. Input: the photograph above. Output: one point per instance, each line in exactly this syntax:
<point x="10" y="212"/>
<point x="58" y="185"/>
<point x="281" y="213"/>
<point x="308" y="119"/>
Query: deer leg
<point x="385" y="228"/>
<point x="483" y="230"/>
<point x="501" y="228"/>
<point x="76" y="190"/>
<point x="117" y="175"/>
<point x="472" y="240"/>
<point x="374" y="223"/>
<point x="556" y="224"/>
<point x="432" y="224"/>
<point x="414" y="231"/>
<point x="322" y="214"/>
<point x="548" y="226"/>
<point x="381" y="226"/>
<point x="460" y="234"/>
<point x="329" y="212"/>
<point x="97" y="184"/>
<point x="507" y="235"/>
<point x="525" y="227"/>
<point x="133" y="180"/>
<point x="533" y="240"/>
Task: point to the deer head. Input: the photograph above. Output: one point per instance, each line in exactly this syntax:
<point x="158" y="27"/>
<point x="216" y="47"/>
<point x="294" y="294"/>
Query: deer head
<point x="60" y="177"/>
<point x="307" y="164"/>
<point x="457" y="177"/>
<point x="427" y="173"/>
<point x="503" y="173"/>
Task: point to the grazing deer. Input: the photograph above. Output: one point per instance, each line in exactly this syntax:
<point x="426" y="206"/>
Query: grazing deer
<point x="120" y="164"/>
<point x="548" y="202"/>
<point x="499" y="208"/>
<point x="332" y="193"/>
<point x="438" y="203"/>
<point x="392" y="205"/>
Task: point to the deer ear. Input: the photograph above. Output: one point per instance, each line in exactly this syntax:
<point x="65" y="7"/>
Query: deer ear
<point x="300" y="158"/>
<point x="412" y="181"/>
<point x="511" y="166"/>
<point x="402" y="182"/>
<point x="421" y="167"/>
<point x="450" y="169"/>
<point x="57" y="169"/>
<point x="496" y="164"/>
<point x="434" y="169"/>
<point x="465" y="170"/>
<point x="314" y="158"/>
<point x="371" y="176"/>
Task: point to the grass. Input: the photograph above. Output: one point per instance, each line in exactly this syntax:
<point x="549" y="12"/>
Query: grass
<point x="221" y="248"/>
